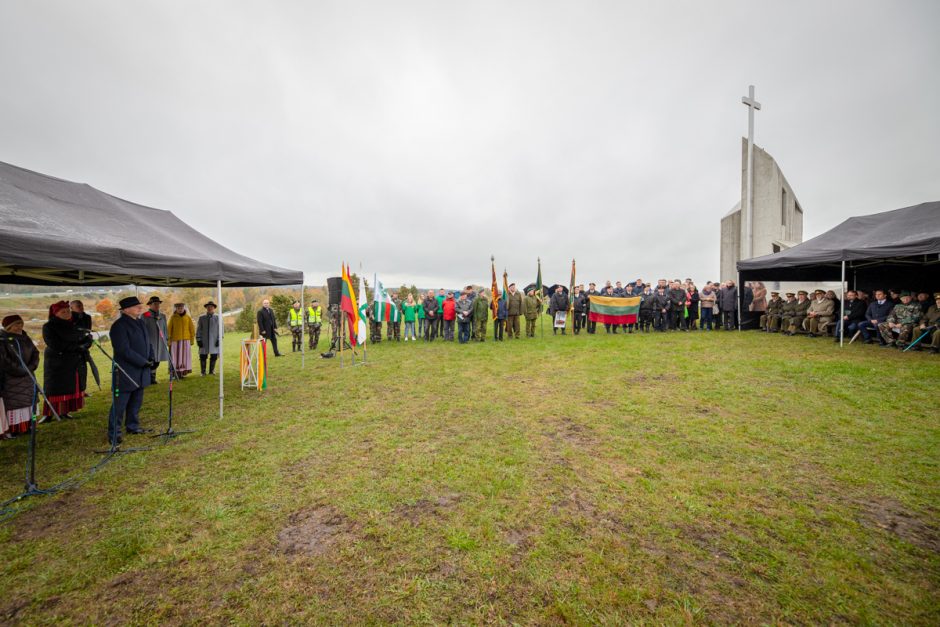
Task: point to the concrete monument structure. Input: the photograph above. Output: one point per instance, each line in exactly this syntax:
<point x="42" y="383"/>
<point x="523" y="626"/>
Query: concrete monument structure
<point x="777" y="222"/>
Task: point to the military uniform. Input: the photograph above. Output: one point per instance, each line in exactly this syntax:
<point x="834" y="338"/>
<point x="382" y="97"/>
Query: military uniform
<point x="532" y="306"/>
<point x="515" y="306"/>
<point x="787" y="311"/>
<point x="822" y="310"/>
<point x="770" y="319"/>
<point x="930" y="319"/>
<point x="481" y="314"/>
<point x="798" y="315"/>
<point x="296" y="321"/>
<point x="904" y="315"/>
<point x="314" y="321"/>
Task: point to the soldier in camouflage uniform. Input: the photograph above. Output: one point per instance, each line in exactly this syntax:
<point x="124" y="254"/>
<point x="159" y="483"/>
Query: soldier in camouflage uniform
<point x="314" y="321"/>
<point x="770" y="319"/>
<point x="393" y="329"/>
<point x="375" y="328"/>
<point x="901" y="320"/>
<point x="798" y="314"/>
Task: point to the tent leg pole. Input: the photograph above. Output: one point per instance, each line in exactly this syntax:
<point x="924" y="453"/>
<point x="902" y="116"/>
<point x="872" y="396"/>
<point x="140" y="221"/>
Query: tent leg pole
<point x="740" y="300"/>
<point x="303" y="327"/>
<point x="221" y="353"/>
<point x="842" y="309"/>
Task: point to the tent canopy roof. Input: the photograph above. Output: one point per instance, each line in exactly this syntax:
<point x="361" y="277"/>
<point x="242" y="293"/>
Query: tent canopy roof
<point x="57" y="232"/>
<point x="891" y="236"/>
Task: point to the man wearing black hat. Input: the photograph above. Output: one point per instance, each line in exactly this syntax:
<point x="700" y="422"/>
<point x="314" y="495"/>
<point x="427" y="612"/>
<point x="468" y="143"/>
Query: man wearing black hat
<point x="134" y="354"/>
<point x="207" y="338"/>
<point x="155" y="324"/>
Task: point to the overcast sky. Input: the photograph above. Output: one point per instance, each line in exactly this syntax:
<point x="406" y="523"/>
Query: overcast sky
<point x="419" y="138"/>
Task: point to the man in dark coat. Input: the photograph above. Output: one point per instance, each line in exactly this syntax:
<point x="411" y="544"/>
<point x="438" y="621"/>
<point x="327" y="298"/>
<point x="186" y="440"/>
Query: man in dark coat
<point x="592" y="291"/>
<point x="728" y="304"/>
<point x="134" y="354"/>
<point x="267" y="325"/>
<point x="516" y="308"/>
<point x="79" y="318"/>
<point x="558" y="303"/>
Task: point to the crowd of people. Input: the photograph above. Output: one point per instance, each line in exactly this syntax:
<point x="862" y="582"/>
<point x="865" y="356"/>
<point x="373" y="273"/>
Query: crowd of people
<point x="144" y="337"/>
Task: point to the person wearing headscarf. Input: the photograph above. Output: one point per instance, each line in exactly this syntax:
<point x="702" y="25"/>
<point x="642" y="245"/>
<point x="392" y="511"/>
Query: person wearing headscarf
<point x="64" y="362"/>
<point x="17" y="392"/>
<point x="182" y="332"/>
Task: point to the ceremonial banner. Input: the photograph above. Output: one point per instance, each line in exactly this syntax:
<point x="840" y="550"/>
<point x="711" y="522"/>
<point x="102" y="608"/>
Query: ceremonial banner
<point x="348" y="305"/>
<point x="612" y="310"/>
<point x="363" y="331"/>
<point x="384" y="309"/>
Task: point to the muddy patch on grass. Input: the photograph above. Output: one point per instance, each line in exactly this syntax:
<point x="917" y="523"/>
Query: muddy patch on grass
<point x="315" y="531"/>
<point x="424" y="508"/>
<point x="72" y="509"/>
<point x="890" y="515"/>
<point x="566" y="429"/>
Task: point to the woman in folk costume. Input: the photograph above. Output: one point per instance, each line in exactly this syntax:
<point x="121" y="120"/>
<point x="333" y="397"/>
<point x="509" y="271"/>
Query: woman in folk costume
<point x="182" y="334"/>
<point x="16" y="386"/>
<point x="64" y="367"/>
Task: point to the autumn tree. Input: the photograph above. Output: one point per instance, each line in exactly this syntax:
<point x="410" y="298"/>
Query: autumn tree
<point x="106" y="308"/>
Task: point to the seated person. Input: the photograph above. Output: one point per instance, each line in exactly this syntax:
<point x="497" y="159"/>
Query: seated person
<point x="901" y="321"/>
<point x="819" y="315"/>
<point x="875" y="314"/>
<point x="854" y="315"/>
<point x="930" y="324"/>
<point x="798" y="313"/>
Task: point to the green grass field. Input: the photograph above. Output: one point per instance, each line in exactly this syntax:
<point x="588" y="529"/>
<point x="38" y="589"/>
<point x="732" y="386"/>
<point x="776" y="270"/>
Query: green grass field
<point x="713" y="478"/>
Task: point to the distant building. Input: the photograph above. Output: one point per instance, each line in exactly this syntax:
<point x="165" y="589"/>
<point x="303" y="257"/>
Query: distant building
<point x="778" y="216"/>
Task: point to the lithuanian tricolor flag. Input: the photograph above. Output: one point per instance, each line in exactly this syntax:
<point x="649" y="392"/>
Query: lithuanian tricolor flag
<point x="611" y="310"/>
<point x="347" y="303"/>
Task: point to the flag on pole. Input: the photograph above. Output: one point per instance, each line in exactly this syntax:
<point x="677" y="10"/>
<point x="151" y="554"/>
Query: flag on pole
<point x="384" y="309"/>
<point x="362" y="331"/>
<point x="494" y="289"/>
<point x="348" y="305"/>
<point x="571" y="283"/>
<point x="614" y="310"/>
<point x="505" y="295"/>
<point x="538" y="280"/>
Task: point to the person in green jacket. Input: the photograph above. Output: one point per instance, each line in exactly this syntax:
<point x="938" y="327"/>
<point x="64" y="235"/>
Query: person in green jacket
<point x="481" y="313"/>
<point x="420" y="315"/>
<point x="410" y="310"/>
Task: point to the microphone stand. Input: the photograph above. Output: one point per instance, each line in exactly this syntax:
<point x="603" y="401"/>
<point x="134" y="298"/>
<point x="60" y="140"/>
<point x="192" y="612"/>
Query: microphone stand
<point x="115" y="449"/>
<point x="169" y="433"/>
<point x="32" y="488"/>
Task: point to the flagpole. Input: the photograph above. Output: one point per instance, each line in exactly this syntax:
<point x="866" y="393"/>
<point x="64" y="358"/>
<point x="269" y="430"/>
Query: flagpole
<point x="539" y="296"/>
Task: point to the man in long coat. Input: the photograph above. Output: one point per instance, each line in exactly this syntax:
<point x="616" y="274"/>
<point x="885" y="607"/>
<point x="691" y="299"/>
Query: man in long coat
<point x="134" y="355"/>
<point x="207" y="338"/>
<point x="515" y="308"/>
<point x="481" y="313"/>
<point x="155" y="324"/>
<point x="558" y="302"/>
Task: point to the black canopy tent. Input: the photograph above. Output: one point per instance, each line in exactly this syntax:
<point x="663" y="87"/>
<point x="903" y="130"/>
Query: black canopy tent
<point x="897" y="248"/>
<point x="57" y="232"/>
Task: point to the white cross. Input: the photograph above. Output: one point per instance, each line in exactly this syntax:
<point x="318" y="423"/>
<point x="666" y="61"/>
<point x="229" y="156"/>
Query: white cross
<point x="752" y="105"/>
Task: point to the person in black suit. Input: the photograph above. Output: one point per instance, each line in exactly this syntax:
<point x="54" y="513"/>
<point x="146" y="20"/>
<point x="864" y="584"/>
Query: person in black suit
<point x="134" y="354"/>
<point x="267" y="325"/>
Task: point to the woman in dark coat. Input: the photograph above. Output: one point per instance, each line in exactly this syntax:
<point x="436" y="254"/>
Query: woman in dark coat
<point x="65" y="370"/>
<point x="16" y="386"/>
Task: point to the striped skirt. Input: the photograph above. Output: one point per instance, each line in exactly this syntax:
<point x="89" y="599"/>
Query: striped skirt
<point x="63" y="403"/>
<point x="181" y="354"/>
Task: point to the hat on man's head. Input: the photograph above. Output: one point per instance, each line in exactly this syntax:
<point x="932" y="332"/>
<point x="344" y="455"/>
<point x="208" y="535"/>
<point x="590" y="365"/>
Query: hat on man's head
<point x="775" y="293"/>
<point x="819" y="292"/>
<point x="905" y="293"/>
<point x="803" y="292"/>
<point x="790" y="294"/>
<point x="154" y="299"/>
<point x="130" y="301"/>
<point x="936" y="295"/>
<point x="8" y="320"/>
<point x="210" y="304"/>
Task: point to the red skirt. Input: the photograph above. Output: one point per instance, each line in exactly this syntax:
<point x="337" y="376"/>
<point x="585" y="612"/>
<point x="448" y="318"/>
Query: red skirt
<point x="65" y="403"/>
